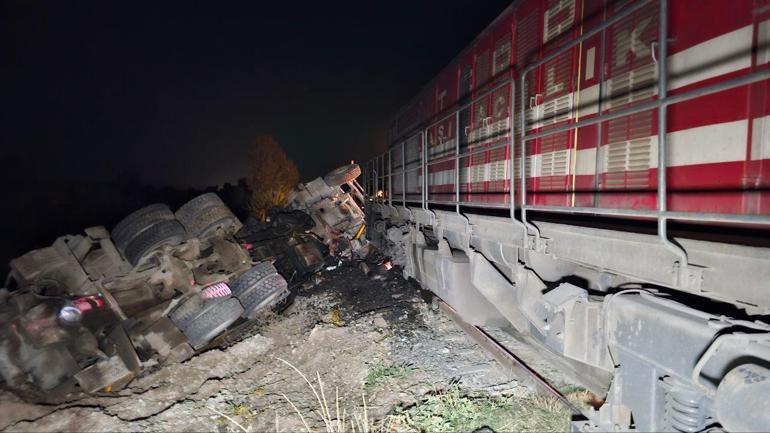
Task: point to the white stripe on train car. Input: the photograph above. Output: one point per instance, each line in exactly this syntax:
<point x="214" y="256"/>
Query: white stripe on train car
<point x="760" y="138"/>
<point x="697" y="63"/>
<point x="763" y="42"/>
<point x="721" y="142"/>
<point x="721" y="55"/>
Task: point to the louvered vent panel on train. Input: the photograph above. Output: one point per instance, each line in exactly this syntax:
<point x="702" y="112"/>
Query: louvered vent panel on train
<point x="554" y="142"/>
<point x="413" y="179"/>
<point x="465" y="173"/>
<point x="501" y="120"/>
<point x="526" y="52"/>
<point x="552" y="168"/>
<point x="398" y="186"/>
<point x="632" y="78"/>
<point x="478" y="173"/>
<point x="557" y="110"/>
<point x="530" y="166"/>
<point x="396" y="157"/>
<point x="498" y="169"/>
<point x="627" y="164"/>
<point x="533" y="117"/>
<point x="501" y="58"/>
<point x="479" y="132"/>
<point x="516" y="119"/>
<point x="559" y="17"/>
<point x="635" y="85"/>
<point x="630" y="127"/>
<point x="413" y="152"/>
<point x="465" y="123"/>
<point x="531" y="169"/>
<point x="441" y="142"/>
<point x="466" y="80"/>
<point x="631" y="68"/>
<point x="498" y="173"/>
<point x="482" y="68"/>
<point x="498" y="128"/>
<point x="557" y="100"/>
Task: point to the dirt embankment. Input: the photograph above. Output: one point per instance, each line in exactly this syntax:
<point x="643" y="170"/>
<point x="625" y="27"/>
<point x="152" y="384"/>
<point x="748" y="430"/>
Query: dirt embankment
<point x="383" y="357"/>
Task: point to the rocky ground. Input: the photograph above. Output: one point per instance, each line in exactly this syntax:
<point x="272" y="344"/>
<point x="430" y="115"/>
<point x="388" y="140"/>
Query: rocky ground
<point x="374" y="355"/>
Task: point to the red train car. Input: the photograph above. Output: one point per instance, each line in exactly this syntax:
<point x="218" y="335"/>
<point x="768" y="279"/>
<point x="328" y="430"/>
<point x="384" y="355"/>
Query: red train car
<point x="595" y="175"/>
<point x="718" y="153"/>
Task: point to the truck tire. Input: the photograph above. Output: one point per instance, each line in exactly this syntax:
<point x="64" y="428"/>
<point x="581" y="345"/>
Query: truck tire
<point x="342" y="175"/>
<point x="270" y="290"/>
<point x="166" y="232"/>
<point x="250" y="278"/>
<point x="137" y="222"/>
<point x="190" y="309"/>
<point x="210" y="219"/>
<point x="188" y="210"/>
<point x="211" y="321"/>
<point x="205" y="214"/>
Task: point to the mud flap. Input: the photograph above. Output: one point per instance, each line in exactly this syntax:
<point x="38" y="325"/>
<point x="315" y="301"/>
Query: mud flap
<point x="165" y="339"/>
<point x="109" y="374"/>
<point x="115" y="372"/>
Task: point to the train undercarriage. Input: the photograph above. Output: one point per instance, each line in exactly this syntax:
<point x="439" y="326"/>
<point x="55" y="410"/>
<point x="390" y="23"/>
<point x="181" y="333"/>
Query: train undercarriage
<point x="668" y="347"/>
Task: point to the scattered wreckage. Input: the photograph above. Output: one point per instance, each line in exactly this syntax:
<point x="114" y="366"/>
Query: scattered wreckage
<point x="92" y="312"/>
<point x="336" y="204"/>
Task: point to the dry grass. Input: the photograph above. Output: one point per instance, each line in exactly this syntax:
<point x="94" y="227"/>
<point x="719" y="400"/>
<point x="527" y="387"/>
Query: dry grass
<point x="446" y="411"/>
<point x="581" y="398"/>
<point x="540" y="414"/>
<point x="359" y="420"/>
<point x="226" y="418"/>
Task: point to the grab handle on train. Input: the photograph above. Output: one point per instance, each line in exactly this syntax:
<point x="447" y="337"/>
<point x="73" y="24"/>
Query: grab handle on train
<point x="534" y="99"/>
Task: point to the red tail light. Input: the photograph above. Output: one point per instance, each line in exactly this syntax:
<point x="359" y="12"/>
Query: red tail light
<point x="218" y="290"/>
<point x="88" y="303"/>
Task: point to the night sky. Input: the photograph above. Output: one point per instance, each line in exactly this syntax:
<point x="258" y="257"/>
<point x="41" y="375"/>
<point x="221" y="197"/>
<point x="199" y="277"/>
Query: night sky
<point x="172" y="93"/>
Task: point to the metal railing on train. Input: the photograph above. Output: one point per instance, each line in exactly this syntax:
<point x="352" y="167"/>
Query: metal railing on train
<point x="381" y="169"/>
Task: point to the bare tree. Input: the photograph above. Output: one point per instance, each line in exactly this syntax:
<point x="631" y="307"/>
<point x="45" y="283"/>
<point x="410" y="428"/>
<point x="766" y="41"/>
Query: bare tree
<point x="271" y="175"/>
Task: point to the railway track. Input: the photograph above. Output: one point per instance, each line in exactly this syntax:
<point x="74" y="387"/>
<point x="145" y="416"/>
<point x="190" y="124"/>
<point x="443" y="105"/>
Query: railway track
<point x="513" y="364"/>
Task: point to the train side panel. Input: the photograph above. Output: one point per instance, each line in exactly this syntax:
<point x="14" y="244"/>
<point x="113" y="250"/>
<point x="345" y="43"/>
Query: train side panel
<point x="718" y="157"/>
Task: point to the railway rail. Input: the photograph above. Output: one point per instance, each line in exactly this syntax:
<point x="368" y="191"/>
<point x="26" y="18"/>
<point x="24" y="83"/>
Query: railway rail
<point x="510" y="362"/>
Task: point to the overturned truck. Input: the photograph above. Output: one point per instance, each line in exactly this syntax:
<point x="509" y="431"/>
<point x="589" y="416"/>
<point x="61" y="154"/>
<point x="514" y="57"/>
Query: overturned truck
<point x="592" y="176"/>
<point x="91" y="312"/>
